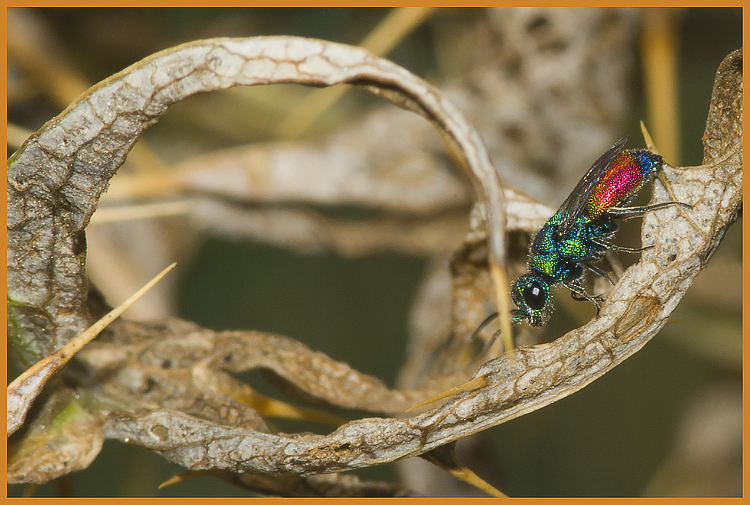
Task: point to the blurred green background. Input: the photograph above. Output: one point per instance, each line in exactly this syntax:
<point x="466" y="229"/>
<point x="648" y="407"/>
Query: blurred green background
<point x="609" y="439"/>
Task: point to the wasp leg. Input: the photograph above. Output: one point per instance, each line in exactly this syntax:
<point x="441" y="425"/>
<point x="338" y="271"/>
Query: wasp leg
<point x="614" y="262"/>
<point x="631" y="212"/>
<point x="598" y="271"/>
<point x="577" y="292"/>
<point x="605" y="244"/>
<point x="619" y="248"/>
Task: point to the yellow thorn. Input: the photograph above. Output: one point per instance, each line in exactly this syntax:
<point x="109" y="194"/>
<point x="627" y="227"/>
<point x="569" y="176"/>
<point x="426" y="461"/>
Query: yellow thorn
<point x="659" y="52"/>
<point x="445" y="457"/>
<point x="30" y="491"/>
<point x="140" y="211"/>
<point x="473" y="384"/>
<point x="181" y="477"/>
<point x="271" y="407"/>
<point x="65" y="353"/>
<point x="475" y="480"/>
<point x="647" y="138"/>
<point x="503" y="307"/>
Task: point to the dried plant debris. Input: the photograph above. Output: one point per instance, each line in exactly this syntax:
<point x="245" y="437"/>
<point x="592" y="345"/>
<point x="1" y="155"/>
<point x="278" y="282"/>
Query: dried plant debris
<point x="168" y="386"/>
<point x="516" y="108"/>
<point x="511" y="72"/>
<point x="81" y="149"/>
<point x="26" y="387"/>
<point x="61" y="435"/>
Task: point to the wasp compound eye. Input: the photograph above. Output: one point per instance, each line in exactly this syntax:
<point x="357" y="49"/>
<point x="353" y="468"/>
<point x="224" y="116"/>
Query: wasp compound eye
<point x="531" y="294"/>
<point x="534" y="295"/>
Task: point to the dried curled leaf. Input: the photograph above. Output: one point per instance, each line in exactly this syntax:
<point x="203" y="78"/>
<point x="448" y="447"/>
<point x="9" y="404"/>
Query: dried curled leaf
<point x="25" y="388"/>
<point x="637" y="308"/>
<point x="64" y="436"/>
<point x="58" y="175"/>
<point x="81" y="149"/>
<point x="155" y="385"/>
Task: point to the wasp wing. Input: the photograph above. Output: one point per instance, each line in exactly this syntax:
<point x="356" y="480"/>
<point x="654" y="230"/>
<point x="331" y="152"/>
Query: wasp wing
<point x="576" y="201"/>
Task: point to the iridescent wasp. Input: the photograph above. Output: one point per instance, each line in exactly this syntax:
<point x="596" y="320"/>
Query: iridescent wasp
<point x="580" y="232"/>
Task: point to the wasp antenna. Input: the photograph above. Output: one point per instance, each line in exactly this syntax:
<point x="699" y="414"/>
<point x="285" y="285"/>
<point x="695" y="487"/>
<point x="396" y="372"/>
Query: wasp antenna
<point x="484" y="324"/>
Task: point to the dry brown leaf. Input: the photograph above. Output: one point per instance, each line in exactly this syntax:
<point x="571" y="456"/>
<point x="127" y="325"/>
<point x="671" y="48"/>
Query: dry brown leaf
<point x="152" y="382"/>
<point x="104" y="124"/>
<point x="26" y="387"/>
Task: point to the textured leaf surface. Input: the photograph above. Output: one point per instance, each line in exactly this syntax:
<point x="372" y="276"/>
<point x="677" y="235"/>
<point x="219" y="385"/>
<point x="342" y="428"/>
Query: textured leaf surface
<point x="156" y="385"/>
